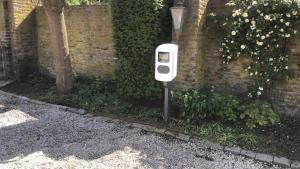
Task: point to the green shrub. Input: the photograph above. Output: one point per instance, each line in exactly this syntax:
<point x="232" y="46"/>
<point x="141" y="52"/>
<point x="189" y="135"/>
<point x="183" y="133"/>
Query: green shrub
<point x="258" y="114"/>
<point x="197" y="105"/>
<point x="93" y="95"/>
<point x="137" y="30"/>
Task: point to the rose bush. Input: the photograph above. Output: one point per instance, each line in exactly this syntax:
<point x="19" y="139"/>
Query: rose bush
<point x="260" y="30"/>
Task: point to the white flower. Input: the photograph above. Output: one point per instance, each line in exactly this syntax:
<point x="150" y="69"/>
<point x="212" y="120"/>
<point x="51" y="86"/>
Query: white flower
<point x="259" y="43"/>
<point x="261" y="88"/>
<point x="243" y="47"/>
<point x="281" y="20"/>
<point x="295" y="12"/>
<point x="258" y="93"/>
<point x="281" y="30"/>
<point x="245" y="15"/>
<point x="233" y="33"/>
<point x="229" y="57"/>
<point x="288" y="15"/>
<point x="212" y="14"/>
<point x="271" y="59"/>
<point x="286" y="67"/>
<point x="230" y="4"/>
<point x="263" y="37"/>
<point x="288" y="35"/>
<point x="287" y="24"/>
<point x="254" y="3"/>
<point x="267" y="17"/>
<point x="268" y="80"/>
<point x="253" y="23"/>
<point x="295" y="32"/>
<point x="247" y="20"/>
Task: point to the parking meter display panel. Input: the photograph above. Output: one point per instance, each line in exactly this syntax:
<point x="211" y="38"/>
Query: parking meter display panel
<point x="164" y="57"/>
<point x="166" y="62"/>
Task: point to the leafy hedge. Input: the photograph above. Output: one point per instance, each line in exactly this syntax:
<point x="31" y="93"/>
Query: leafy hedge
<point x="137" y="32"/>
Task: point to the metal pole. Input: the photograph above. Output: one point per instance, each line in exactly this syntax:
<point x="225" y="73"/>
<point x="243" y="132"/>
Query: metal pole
<point x="166" y="102"/>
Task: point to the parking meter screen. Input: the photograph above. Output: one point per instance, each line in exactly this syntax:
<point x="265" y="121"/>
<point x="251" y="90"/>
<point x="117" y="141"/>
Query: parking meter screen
<point x="164" y="57"/>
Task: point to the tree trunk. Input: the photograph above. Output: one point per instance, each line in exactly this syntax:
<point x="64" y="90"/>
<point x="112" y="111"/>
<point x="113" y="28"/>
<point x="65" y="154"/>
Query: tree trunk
<point x="59" y="42"/>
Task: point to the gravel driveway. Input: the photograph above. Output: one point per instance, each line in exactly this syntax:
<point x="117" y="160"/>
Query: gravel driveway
<point x="38" y="136"/>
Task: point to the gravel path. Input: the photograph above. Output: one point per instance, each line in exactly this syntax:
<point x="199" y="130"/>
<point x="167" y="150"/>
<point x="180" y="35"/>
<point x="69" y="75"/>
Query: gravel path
<point x="38" y="136"/>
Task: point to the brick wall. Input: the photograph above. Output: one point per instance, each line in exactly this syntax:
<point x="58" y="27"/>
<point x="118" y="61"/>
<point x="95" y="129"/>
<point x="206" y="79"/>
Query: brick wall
<point x="24" y="36"/>
<point x="6" y="66"/>
<point x="202" y="67"/>
<point x="89" y="31"/>
<point x="190" y="72"/>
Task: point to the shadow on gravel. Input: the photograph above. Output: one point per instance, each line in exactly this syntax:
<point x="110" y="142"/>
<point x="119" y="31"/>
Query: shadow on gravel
<point x="59" y="134"/>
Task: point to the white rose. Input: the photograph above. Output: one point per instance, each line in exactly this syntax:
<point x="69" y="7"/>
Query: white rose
<point x="263" y="37"/>
<point x="286" y="67"/>
<point x="247" y="20"/>
<point x="295" y="12"/>
<point x="281" y="20"/>
<point x="245" y="15"/>
<point x="253" y="22"/>
<point x="287" y="24"/>
<point x="258" y="93"/>
<point x="233" y="33"/>
<point x="243" y="47"/>
<point x="261" y="88"/>
<point x="288" y="15"/>
<point x="254" y="3"/>
<point x="281" y="30"/>
<point x="267" y="17"/>
<point x="287" y="35"/>
<point x="259" y="43"/>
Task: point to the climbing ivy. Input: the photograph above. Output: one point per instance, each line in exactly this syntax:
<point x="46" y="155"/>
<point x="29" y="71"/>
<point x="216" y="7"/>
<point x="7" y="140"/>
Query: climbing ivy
<point x="137" y="32"/>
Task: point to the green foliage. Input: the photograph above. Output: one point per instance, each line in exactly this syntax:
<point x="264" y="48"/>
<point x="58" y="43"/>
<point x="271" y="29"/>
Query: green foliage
<point x="137" y="30"/>
<point x="258" y="114"/>
<point x="92" y="95"/>
<point x="260" y="30"/>
<point x="198" y="105"/>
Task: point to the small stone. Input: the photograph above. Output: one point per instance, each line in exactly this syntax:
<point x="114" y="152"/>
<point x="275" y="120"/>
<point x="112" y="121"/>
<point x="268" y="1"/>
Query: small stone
<point x="295" y="165"/>
<point x="183" y="137"/>
<point x="264" y="158"/>
<point x="233" y="150"/>
<point x="281" y="161"/>
<point x="82" y="111"/>
<point x="248" y="154"/>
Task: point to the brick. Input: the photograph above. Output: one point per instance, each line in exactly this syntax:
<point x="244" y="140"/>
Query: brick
<point x="233" y="150"/>
<point x="248" y="154"/>
<point x="295" y="165"/>
<point x="264" y="158"/>
<point x="183" y="137"/>
<point x="160" y="131"/>
<point x="147" y="128"/>
<point x="170" y="133"/>
<point x="281" y="161"/>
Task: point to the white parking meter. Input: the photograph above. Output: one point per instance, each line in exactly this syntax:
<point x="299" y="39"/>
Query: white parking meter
<point x="166" y="62"/>
<point x="166" y="57"/>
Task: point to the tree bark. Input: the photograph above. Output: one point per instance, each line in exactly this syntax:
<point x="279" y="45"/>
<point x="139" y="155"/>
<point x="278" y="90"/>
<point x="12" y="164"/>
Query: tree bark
<point x="54" y="10"/>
